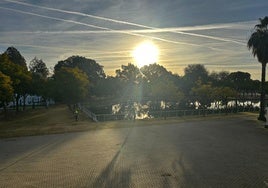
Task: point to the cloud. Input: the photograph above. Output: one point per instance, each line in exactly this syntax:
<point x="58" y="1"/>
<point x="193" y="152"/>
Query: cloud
<point x="54" y="18"/>
<point x="127" y="23"/>
<point x="104" y="28"/>
<point x="62" y="33"/>
<point x="158" y="30"/>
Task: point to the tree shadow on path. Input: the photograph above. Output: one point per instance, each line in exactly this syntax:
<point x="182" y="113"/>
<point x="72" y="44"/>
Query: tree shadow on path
<point x="114" y="175"/>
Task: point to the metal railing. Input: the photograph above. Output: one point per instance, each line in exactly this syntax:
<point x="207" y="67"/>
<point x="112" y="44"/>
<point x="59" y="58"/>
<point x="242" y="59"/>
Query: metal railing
<point x="90" y="114"/>
<point x="177" y="113"/>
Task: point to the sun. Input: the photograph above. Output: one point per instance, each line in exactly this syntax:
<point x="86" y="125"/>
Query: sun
<point x="145" y="53"/>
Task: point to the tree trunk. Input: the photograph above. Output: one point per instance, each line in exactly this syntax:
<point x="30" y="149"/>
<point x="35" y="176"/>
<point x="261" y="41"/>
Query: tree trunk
<point x="5" y="109"/>
<point x="24" y="102"/>
<point x="262" y="100"/>
<point x="226" y="106"/>
<point x="17" y="103"/>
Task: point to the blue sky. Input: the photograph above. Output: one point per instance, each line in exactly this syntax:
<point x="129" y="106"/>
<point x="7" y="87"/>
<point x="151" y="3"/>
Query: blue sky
<point x="209" y="32"/>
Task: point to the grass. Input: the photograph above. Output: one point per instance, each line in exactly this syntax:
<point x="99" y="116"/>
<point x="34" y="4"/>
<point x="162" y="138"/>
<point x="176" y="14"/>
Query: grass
<point x="59" y="119"/>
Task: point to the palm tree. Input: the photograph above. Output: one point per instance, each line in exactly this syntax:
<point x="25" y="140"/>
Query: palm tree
<point x="258" y="44"/>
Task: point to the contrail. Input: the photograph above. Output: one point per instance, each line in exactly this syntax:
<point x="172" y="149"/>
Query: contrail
<point x="163" y="30"/>
<point x="54" y="18"/>
<point x="125" y="22"/>
<point x="98" y="27"/>
<point x="110" y="31"/>
<point x="79" y="13"/>
<point x="70" y="49"/>
<point x="211" y="37"/>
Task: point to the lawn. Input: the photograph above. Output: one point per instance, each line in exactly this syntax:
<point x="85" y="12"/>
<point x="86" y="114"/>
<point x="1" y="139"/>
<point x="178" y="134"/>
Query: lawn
<point x="59" y="119"/>
<point x="56" y="119"/>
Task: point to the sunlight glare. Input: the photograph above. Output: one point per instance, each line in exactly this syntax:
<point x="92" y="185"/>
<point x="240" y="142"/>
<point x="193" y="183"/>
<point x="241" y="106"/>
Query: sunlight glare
<point x="145" y="53"/>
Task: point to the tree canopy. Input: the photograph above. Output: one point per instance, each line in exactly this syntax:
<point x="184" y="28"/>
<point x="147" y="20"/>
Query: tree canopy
<point x="15" y="56"/>
<point x="6" y="90"/>
<point x="93" y="70"/>
<point x="70" y="85"/>
<point x="78" y="79"/>
<point x="39" y="68"/>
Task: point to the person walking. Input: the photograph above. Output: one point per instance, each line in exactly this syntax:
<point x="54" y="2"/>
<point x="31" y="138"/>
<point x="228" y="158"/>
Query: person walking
<point x="76" y="114"/>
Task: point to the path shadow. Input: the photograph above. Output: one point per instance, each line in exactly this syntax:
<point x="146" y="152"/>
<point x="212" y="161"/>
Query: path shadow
<point x="114" y="175"/>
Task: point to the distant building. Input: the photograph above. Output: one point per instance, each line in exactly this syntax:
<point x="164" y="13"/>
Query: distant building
<point x="31" y="100"/>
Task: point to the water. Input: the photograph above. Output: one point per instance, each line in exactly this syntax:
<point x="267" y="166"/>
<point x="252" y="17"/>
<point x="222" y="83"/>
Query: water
<point x="136" y="110"/>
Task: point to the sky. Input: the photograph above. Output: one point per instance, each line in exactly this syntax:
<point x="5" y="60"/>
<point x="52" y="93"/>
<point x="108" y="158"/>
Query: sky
<point x="209" y="32"/>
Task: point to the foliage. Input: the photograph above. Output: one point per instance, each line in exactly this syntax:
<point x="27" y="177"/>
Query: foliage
<point x="203" y="93"/>
<point x="258" y="41"/>
<point x="19" y="75"/>
<point x="77" y="77"/>
<point x="90" y="67"/>
<point x="6" y="90"/>
<point x="258" y="44"/>
<point x="129" y="73"/>
<point x="108" y="87"/>
<point x="223" y="93"/>
<point x="15" y="57"/>
<point x="70" y="85"/>
<point x="39" y="68"/>
<point x="218" y="79"/>
<point x="131" y="82"/>
<point x="196" y="72"/>
<point x="155" y="71"/>
<point x="192" y="74"/>
<point x="93" y="70"/>
<point x="165" y="90"/>
<point x="40" y="73"/>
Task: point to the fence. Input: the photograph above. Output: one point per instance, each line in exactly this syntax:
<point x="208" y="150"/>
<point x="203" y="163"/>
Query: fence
<point x="88" y="113"/>
<point x="177" y="113"/>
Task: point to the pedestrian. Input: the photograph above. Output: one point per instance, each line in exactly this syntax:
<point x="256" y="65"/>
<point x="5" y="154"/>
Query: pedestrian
<point x="76" y="113"/>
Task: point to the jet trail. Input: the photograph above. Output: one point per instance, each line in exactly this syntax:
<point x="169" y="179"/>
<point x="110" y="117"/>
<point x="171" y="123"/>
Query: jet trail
<point x="53" y="18"/>
<point x="98" y="27"/>
<point x="64" y="48"/>
<point x="124" y="22"/>
<point x="164" y="30"/>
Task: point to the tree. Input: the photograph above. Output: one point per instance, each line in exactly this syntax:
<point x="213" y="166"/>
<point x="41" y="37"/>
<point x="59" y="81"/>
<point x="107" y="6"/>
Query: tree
<point x="93" y="70"/>
<point x="221" y="94"/>
<point x="165" y="90"/>
<point x="70" y="85"/>
<point x="258" y="44"/>
<point x="203" y="94"/>
<point x="20" y="77"/>
<point x="22" y="74"/>
<point x="15" y="56"/>
<point x="131" y="81"/>
<point x="129" y="73"/>
<point x="40" y="73"/>
<point x="108" y="87"/>
<point x="240" y="81"/>
<point x="219" y="78"/>
<point x="6" y="90"/>
<point x="38" y="67"/>
<point x="196" y="72"/>
<point x="192" y="75"/>
<point x="155" y="71"/>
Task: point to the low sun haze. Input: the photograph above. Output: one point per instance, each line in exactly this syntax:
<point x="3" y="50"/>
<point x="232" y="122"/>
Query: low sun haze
<point x="213" y="33"/>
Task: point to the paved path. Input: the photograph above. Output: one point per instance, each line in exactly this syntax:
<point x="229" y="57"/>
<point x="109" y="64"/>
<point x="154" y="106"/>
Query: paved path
<point x="217" y="153"/>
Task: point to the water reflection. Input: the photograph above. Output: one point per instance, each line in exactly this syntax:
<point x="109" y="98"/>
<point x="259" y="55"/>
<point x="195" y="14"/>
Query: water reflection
<point x="150" y="109"/>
